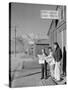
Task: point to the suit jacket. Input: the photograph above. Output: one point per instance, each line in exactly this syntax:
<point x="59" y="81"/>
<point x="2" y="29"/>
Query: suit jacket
<point x="57" y="54"/>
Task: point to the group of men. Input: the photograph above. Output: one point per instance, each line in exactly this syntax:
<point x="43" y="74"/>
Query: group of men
<point x="53" y="59"/>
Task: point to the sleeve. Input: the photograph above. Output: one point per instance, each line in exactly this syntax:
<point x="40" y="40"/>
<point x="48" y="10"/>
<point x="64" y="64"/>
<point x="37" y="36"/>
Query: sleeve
<point x="58" y="54"/>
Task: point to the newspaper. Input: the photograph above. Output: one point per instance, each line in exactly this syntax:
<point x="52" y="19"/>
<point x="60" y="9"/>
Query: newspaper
<point x="50" y="60"/>
<point x="41" y="59"/>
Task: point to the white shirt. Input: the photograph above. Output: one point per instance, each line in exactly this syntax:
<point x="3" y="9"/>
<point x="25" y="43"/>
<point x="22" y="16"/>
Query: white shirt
<point x="41" y="59"/>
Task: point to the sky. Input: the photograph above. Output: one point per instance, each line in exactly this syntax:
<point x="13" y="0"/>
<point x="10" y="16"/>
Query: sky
<point x="26" y="18"/>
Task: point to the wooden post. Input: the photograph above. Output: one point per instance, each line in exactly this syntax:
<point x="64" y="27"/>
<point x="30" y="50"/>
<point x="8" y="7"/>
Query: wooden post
<point x="15" y="41"/>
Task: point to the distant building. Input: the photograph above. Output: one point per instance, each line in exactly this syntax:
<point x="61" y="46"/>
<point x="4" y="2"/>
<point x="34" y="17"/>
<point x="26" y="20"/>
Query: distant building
<point x="41" y="44"/>
<point x="37" y="47"/>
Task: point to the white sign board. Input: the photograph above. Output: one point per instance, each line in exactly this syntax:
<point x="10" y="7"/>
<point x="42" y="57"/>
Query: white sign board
<point x="50" y="14"/>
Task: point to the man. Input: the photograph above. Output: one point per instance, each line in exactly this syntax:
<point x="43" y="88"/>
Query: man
<point x="57" y="56"/>
<point x="50" y="60"/>
<point x="43" y="65"/>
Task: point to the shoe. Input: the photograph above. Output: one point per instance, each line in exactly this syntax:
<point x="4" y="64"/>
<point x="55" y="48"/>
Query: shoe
<point x="46" y="77"/>
<point x="56" y="80"/>
<point x="42" y="78"/>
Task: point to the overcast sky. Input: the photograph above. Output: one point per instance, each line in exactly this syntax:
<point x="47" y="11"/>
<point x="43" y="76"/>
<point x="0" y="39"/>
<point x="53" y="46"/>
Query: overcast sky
<point x="27" y="19"/>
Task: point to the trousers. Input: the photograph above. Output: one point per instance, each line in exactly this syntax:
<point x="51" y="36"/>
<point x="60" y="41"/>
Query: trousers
<point x="57" y="71"/>
<point x="44" y="70"/>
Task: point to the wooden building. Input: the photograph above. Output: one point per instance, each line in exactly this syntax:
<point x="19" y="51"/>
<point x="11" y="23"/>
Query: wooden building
<point x="57" y="30"/>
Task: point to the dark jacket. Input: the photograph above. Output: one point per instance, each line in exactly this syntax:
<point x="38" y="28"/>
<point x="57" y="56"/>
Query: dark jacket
<point x="57" y="54"/>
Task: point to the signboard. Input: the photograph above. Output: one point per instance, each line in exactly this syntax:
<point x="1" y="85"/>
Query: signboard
<point x="50" y="14"/>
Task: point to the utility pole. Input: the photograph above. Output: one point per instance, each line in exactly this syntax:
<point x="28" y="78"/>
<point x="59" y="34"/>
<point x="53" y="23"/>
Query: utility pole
<point x="15" y="41"/>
